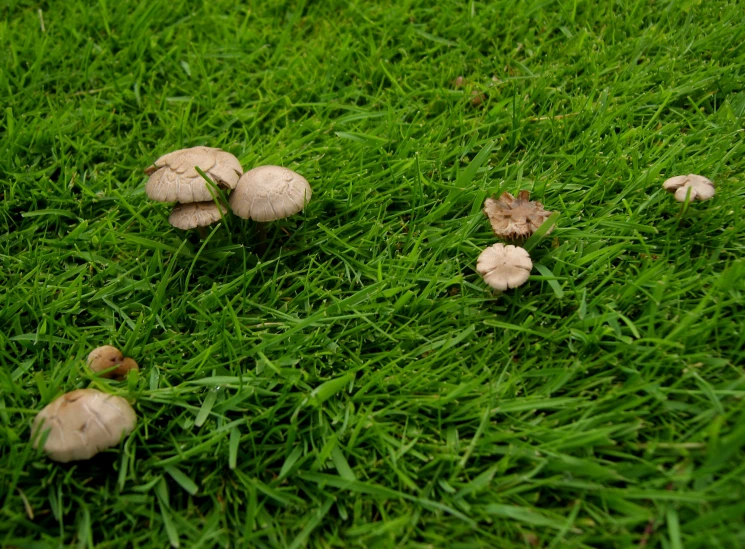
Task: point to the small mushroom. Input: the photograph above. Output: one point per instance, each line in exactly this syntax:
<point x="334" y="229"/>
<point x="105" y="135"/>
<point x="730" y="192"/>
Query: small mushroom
<point x="701" y="187"/>
<point x="81" y="423"/>
<point x="174" y="178"/>
<point x="503" y="267"/>
<point x="196" y="215"/>
<point x="268" y="193"/>
<point x="515" y="218"/>
<point x="108" y="361"/>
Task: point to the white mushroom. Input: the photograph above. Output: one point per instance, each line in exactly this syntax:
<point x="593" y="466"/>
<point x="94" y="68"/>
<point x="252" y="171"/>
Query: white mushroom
<point x="700" y="187"/>
<point x="81" y="423"/>
<point x="196" y="214"/>
<point x="174" y="178"/>
<point x="503" y="267"/>
<point x="268" y="193"/>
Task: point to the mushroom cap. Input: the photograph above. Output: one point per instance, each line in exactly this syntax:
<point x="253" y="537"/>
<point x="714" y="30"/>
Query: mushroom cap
<point x="81" y="423"/>
<point x="514" y="218"/>
<point x="503" y="267"/>
<point x="174" y="178"/>
<point x="196" y="214"/>
<point x="268" y="193"/>
<point x="105" y="358"/>
<point x="701" y="187"/>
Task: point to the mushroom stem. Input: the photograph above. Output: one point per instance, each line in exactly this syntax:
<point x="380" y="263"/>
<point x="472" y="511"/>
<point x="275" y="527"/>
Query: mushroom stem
<point x="202" y="232"/>
<point x="261" y="228"/>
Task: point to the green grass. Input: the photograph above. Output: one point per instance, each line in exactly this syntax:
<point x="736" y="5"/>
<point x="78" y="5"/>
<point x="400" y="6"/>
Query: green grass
<point x="358" y="385"/>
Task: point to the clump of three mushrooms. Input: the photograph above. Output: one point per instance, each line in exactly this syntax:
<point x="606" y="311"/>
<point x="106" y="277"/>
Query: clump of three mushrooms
<point x="265" y="193"/>
<point x="81" y="423"/>
<point x="513" y="219"/>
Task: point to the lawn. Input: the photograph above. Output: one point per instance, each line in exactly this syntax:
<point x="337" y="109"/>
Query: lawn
<point x="356" y="384"/>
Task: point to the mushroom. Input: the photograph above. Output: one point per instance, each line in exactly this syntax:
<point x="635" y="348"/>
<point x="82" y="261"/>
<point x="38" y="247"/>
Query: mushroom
<point x="515" y="218"/>
<point x="701" y="187"/>
<point x="81" y="423"/>
<point x="174" y="176"/>
<point x="197" y="215"/>
<point x="503" y="267"/>
<point x="108" y="361"/>
<point x="268" y="193"/>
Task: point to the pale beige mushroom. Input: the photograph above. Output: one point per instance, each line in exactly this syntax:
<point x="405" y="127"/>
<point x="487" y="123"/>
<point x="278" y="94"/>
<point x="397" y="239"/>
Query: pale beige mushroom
<point x="503" y="267"/>
<point x="174" y="178"/>
<point x="515" y="218"/>
<point x="700" y="187"/>
<point x="108" y="361"/>
<point x="81" y="423"/>
<point x="268" y="193"/>
<point x="196" y="214"/>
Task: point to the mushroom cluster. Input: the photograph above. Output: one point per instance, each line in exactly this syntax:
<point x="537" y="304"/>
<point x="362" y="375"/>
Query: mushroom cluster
<point x="265" y="193"/>
<point x="513" y="219"/>
<point x="691" y="186"/>
<point x="79" y="424"/>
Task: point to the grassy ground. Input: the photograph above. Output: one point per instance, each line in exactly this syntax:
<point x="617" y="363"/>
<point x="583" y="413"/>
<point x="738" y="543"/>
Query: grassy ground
<point x="358" y="385"/>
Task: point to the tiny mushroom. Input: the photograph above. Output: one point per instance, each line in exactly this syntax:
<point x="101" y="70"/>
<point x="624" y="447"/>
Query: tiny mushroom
<point x="109" y="361"/>
<point x="196" y="215"/>
<point x="503" y="267"/>
<point x="81" y="423"/>
<point x="700" y="187"/>
<point x="515" y="218"/>
<point x="268" y="193"/>
<point x="174" y="176"/>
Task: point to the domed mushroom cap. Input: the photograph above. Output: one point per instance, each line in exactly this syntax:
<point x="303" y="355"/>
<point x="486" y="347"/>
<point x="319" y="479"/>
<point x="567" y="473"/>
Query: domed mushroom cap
<point x="503" y="267"/>
<point x="701" y="187"/>
<point x="196" y="214"/>
<point x="514" y="218"/>
<point x="105" y="358"/>
<point x="81" y="423"/>
<point x="174" y="178"/>
<point x="268" y="193"/>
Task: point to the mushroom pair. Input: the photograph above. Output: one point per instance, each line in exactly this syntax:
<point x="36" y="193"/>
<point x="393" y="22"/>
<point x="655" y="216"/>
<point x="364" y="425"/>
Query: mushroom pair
<point x="265" y="193"/>
<point x="108" y="361"/>
<point x="514" y="219"/>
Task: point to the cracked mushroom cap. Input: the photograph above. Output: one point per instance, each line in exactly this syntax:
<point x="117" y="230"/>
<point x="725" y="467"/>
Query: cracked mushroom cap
<point x="81" y="423"/>
<point x="503" y="267"/>
<point x="515" y="218"/>
<point x="174" y="178"/>
<point x="701" y="187"/>
<point x="268" y="193"/>
<point x="196" y="214"/>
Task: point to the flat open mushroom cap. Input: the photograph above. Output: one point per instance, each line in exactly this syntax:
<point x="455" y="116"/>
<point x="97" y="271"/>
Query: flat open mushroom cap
<point x="174" y="178"/>
<point x="81" y="423"/>
<point x="504" y="267"/>
<point x="268" y="193"/>
<point x="701" y="187"/>
<point x="196" y="214"/>
<point x="514" y="218"/>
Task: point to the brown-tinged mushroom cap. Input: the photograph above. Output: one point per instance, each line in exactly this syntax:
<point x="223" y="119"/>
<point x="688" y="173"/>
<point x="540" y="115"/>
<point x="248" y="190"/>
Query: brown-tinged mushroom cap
<point x="701" y="187"/>
<point x="196" y="214"/>
<point x="514" y="218"/>
<point x="503" y="267"/>
<point x="105" y="358"/>
<point x="81" y="423"/>
<point x="268" y="193"/>
<point x="174" y="178"/>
